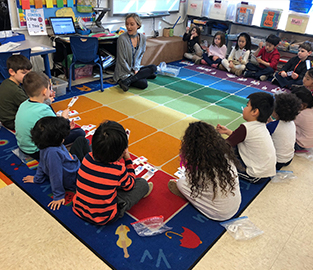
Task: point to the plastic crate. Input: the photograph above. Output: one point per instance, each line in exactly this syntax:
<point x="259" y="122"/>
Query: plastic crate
<point x="166" y="70"/>
<point x="59" y="86"/>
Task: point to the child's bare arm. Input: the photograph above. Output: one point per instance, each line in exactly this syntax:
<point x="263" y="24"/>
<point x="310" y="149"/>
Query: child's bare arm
<point x="223" y="130"/>
<point x="28" y="179"/>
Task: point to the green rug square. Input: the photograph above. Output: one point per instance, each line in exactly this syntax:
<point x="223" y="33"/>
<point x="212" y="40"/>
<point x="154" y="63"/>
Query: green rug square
<point x="216" y="115"/>
<point x="234" y="103"/>
<point x="187" y="104"/>
<point x="161" y="95"/>
<point x="164" y="80"/>
<point x="209" y="94"/>
<point x="184" y="86"/>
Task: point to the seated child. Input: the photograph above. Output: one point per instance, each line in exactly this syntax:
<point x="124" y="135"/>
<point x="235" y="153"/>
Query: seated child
<point x="56" y="164"/>
<point x="283" y="130"/>
<point x="11" y="92"/>
<point x="267" y="58"/>
<point x="295" y="69"/>
<point x="38" y="89"/>
<point x="211" y="183"/>
<point x="216" y="52"/>
<point x="255" y="147"/>
<point x="194" y="50"/>
<point x="106" y="187"/>
<point x="308" y="80"/>
<point x="239" y="55"/>
<point x="304" y="121"/>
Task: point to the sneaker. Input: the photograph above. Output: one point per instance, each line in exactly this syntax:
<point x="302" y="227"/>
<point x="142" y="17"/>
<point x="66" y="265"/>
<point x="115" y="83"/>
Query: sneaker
<point x="172" y="186"/>
<point x="150" y="189"/>
<point x="263" y="78"/>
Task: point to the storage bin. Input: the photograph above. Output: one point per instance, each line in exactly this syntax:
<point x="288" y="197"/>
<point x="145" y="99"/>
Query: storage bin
<point x="302" y="6"/>
<point x="166" y="70"/>
<point x="218" y="10"/>
<point x="59" y="86"/>
<point x="297" y="22"/>
<point x="270" y="18"/>
<point x="244" y="13"/>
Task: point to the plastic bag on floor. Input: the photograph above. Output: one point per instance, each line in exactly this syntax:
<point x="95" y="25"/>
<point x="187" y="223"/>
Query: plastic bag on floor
<point x="241" y="228"/>
<point x="150" y="226"/>
<point x="282" y="176"/>
<point x="307" y="153"/>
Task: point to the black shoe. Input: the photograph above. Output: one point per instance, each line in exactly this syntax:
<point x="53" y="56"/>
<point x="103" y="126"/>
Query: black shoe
<point x="123" y="86"/>
<point x="152" y="77"/>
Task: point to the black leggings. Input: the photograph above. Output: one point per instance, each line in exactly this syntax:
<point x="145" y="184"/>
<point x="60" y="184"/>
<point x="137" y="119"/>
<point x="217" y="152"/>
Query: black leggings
<point x="140" y="79"/>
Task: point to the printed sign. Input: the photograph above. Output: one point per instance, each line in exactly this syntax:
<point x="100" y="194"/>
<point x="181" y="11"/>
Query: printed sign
<point x="35" y="22"/>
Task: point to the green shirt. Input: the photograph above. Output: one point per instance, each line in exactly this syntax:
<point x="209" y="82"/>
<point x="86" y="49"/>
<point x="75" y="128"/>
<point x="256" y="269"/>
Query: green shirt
<point x="27" y="115"/>
<point x="11" y="97"/>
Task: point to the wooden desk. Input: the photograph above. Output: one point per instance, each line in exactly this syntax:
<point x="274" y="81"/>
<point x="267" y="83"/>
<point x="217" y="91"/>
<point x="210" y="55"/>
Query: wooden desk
<point x="44" y="52"/>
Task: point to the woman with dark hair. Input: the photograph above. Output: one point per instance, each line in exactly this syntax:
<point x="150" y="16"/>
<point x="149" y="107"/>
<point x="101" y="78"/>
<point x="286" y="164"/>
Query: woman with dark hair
<point x="130" y="49"/>
<point x="211" y="182"/>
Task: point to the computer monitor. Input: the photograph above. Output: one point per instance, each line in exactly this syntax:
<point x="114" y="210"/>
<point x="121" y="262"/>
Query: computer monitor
<point x="62" y="25"/>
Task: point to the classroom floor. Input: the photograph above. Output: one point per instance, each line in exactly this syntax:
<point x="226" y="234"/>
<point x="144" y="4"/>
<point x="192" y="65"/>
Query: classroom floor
<point x="32" y="239"/>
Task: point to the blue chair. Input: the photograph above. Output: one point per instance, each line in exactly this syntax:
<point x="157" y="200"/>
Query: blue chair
<point x="4" y="74"/>
<point x="85" y="51"/>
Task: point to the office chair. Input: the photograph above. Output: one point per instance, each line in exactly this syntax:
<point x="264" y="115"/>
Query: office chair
<point x="85" y="51"/>
<point x="4" y="74"/>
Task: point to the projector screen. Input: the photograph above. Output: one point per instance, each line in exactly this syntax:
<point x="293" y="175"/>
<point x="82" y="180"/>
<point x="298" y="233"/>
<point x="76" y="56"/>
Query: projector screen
<point x="122" y="7"/>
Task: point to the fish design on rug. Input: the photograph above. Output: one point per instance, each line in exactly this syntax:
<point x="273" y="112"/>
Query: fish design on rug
<point x="189" y="238"/>
<point x="123" y="241"/>
<point x="84" y="88"/>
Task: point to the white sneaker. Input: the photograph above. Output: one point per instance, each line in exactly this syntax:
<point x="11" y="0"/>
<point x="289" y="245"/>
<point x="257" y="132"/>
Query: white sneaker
<point x="150" y="189"/>
<point x="172" y="186"/>
<point x="263" y="78"/>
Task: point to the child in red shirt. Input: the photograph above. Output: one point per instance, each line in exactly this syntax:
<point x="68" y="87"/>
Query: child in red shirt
<point x="267" y="58"/>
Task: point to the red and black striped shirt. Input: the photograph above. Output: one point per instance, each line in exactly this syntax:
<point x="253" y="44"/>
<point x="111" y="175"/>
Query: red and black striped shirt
<point x="96" y="194"/>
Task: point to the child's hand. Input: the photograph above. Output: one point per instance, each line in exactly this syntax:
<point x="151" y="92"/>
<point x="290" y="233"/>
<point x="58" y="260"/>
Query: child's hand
<point x="207" y="50"/>
<point x="231" y="65"/>
<point x="240" y="59"/>
<point x="126" y="154"/>
<point x="215" y="58"/>
<point x="261" y="45"/>
<point x="55" y="205"/>
<point x="28" y="179"/>
<point x="72" y="124"/>
<point x="294" y="75"/>
<point x="223" y="130"/>
<point x="283" y="74"/>
<point x="65" y="113"/>
<point x="187" y="29"/>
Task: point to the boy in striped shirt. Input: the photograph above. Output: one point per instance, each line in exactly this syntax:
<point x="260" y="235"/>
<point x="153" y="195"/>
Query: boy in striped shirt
<point x="106" y="187"/>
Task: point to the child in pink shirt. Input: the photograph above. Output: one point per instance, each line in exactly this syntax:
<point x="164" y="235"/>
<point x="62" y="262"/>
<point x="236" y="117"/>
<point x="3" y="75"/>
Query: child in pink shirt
<point x="216" y="52"/>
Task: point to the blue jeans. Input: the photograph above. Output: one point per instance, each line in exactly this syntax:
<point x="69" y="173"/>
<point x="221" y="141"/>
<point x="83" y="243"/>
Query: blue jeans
<point x="210" y="61"/>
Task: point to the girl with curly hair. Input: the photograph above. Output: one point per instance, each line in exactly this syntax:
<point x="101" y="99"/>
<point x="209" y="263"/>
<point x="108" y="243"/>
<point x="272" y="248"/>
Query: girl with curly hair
<point x="211" y="182"/>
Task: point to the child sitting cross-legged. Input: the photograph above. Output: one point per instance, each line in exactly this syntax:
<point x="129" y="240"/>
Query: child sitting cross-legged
<point x="294" y="70"/>
<point x="239" y="55"/>
<point x="283" y="130"/>
<point x="267" y="58"/>
<point x="211" y="183"/>
<point x="38" y="88"/>
<point x="56" y="164"/>
<point x="194" y="50"/>
<point x="216" y="52"/>
<point x="252" y="140"/>
<point x="107" y="187"/>
<point x="304" y="121"/>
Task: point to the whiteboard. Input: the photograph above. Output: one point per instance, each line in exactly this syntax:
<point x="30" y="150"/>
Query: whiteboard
<point x="122" y="7"/>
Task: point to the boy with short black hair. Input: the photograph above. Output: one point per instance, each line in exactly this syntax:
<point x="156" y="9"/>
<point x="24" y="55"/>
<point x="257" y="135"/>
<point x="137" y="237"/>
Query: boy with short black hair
<point x="283" y="130"/>
<point x="267" y="58"/>
<point x="254" y="144"/>
<point x="56" y="164"/>
<point x="106" y="187"/>
<point x="11" y="92"/>
<point x="38" y="88"/>
<point x="294" y="70"/>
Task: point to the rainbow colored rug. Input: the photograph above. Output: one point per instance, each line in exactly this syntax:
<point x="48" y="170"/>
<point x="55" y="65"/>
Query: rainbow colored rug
<point x="157" y="118"/>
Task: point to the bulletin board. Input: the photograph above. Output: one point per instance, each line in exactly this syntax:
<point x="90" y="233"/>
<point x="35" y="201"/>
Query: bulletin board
<point x="57" y="8"/>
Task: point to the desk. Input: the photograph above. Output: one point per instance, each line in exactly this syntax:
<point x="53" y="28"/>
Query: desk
<point x="44" y="52"/>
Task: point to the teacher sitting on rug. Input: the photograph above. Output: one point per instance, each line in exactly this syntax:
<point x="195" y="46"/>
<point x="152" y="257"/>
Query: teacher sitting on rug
<point x="130" y="49"/>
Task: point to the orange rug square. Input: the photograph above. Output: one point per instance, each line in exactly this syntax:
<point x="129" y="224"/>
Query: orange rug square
<point x="158" y="148"/>
<point x="172" y="166"/>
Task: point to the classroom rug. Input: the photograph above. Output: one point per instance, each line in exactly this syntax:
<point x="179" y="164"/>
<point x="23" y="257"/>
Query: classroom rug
<point x="156" y="118"/>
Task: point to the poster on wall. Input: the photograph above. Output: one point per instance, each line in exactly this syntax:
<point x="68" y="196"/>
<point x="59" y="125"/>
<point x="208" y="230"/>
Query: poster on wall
<point x="35" y="22"/>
